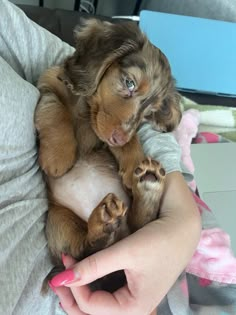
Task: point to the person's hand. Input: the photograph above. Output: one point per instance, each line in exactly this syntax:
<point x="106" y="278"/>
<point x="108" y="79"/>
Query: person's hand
<point x="152" y="258"/>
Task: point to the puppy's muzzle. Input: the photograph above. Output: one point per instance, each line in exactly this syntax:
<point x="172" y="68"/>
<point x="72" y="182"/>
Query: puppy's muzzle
<point x="118" y="138"/>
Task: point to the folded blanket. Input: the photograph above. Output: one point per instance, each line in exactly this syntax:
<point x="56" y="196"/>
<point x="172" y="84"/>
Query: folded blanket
<point x="208" y="284"/>
<point x="213" y="118"/>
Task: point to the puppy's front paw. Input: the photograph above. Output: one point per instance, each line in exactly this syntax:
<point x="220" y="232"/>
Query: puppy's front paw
<point x="148" y="176"/>
<point x="56" y="160"/>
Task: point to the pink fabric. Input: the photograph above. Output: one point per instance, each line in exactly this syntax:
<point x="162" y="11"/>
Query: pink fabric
<point x="184" y="134"/>
<point x="207" y="137"/>
<point x="204" y="282"/>
<point x="200" y="203"/>
<point x="213" y="259"/>
<point x="184" y="287"/>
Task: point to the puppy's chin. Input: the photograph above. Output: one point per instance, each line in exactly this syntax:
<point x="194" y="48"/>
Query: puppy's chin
<point x="109" y="141"/>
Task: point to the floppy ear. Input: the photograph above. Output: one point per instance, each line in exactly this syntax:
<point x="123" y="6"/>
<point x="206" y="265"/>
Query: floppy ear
<point x="166" y="114"/>
<point x="169" y="114"/>
<point x="98" y="45"/>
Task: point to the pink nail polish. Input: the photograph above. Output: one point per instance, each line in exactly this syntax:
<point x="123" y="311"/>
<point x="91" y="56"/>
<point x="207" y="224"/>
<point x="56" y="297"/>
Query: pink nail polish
<point x="63" y="278"/>
<point x="51" y="286"/>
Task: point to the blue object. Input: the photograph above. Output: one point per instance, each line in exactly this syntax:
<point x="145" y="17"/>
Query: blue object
<point x="201" y="52"/>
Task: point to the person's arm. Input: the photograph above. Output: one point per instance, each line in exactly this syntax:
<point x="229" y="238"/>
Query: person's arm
<point x="152" y="258"/>
<point x="28" y="48"/>
<point x="164" y="148"/>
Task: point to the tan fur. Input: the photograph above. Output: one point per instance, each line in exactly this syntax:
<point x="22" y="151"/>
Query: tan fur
<point x="87" y="109"/>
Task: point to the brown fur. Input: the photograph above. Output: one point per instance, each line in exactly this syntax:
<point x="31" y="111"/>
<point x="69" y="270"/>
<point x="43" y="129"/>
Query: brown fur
<point x="86" y="109"/>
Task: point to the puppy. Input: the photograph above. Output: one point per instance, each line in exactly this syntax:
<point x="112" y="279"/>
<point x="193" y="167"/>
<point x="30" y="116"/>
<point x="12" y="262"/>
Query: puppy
<point x="101" y="186"/>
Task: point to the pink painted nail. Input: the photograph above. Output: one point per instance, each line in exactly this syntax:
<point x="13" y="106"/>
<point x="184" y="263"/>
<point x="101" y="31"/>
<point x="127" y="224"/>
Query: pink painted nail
<point x="63" y="278"/>
<point x="51" y="286"/>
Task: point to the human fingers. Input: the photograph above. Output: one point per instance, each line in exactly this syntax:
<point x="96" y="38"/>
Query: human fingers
<point x="104" y="303"/>
<point x="67" y="301"/>
<point x="68" y="261"/>
<point x="99" y="303"/>
<point x="95" y="266"/>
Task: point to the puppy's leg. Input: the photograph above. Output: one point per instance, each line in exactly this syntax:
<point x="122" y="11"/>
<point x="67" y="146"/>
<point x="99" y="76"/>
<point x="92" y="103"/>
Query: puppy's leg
<point x="106" y="225"/>
<point x="54" y="123"/>
<point x="128" y="157"/>
<point x="66" y="232"/>
<point x="69" y="234"/>
<point x="58" y="145"/>
<point x="148" y="185"/>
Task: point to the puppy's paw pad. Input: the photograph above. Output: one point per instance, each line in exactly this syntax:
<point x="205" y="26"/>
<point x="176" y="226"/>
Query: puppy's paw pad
<point x="149" y="176"/>
<point x="149" y="171"/>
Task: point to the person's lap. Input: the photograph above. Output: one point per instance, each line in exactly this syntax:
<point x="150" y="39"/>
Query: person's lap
<point x="24" y="257"/>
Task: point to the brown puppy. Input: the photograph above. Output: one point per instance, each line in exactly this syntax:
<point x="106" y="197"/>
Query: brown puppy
<point x="87" y="117"/>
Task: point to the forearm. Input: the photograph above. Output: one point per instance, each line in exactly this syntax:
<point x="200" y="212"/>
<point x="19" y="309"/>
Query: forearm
<point x="152" y="257"/>
<point x="180" y="218"/>
<point x="164" y="148"/>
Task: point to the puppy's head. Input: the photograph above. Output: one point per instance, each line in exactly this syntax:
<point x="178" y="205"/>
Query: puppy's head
<point x="125" y="79"/>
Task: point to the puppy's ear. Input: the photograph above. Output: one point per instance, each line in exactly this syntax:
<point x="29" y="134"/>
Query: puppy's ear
<point x="169" y="114"/>
<point x="166" y="113"/>
<point x="98" y="45"/>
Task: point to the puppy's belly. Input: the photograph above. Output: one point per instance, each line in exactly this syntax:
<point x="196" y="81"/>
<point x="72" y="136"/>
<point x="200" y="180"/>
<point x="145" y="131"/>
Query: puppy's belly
<point x="86" y="184"/>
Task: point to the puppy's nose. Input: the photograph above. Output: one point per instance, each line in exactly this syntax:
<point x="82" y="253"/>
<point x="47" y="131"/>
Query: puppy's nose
<point x="118" y="138"/>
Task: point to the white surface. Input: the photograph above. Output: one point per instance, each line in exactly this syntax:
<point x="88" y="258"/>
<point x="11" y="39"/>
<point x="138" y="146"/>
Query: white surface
<point x="215" y="175"/>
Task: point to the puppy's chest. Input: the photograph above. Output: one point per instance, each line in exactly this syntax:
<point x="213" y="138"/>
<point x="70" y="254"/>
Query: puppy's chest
<point x="87" y="183"/>
<point x="86" y="138"/>
<point x="94" y="175"/>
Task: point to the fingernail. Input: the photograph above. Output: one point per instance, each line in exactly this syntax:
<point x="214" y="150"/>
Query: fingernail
<point x="51" y="286"/>
<point x="64" y="277"/>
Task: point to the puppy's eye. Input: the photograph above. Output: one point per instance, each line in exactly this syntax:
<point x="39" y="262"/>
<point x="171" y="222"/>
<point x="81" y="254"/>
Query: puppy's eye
<point x="130" y="84"/>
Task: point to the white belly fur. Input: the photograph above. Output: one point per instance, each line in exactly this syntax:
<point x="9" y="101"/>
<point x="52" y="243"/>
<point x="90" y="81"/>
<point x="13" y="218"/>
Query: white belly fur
<point x="86" y="184"/>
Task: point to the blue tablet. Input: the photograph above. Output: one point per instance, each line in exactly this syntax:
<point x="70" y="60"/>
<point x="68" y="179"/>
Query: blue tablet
<point x="201" y="52"/>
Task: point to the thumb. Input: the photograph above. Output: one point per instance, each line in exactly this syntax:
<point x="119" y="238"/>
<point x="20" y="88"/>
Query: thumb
<point x="94" y="267"/>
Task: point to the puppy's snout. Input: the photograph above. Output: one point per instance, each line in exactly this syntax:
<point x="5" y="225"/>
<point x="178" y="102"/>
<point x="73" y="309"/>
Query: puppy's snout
<point x="118" y="138"/>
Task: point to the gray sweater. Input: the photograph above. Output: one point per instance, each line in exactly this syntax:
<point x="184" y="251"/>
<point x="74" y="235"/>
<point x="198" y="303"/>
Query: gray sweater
<point x="26" y="50"/>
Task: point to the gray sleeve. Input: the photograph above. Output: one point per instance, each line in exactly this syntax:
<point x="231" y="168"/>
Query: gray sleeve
<point x="25" y="51"/>
<point x="28" y="55"/>
<point x="164" y="148"/>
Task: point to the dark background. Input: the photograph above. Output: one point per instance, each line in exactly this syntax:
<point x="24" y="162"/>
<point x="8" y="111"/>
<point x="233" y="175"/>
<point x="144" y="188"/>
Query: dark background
<point x="61" y="16"/>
